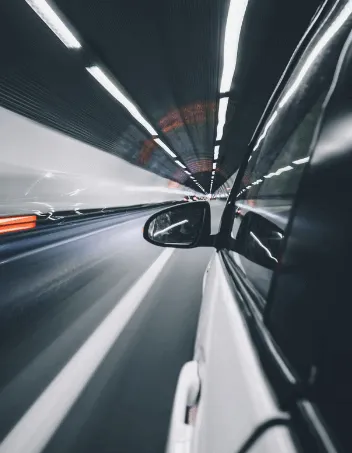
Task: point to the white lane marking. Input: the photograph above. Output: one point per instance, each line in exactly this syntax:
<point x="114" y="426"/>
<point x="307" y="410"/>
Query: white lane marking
<point x="34" y="430"/>
<point x="64" y="241"/>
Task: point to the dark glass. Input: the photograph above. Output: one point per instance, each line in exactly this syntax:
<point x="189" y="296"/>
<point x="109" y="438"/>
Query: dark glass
<point x="177" y="226"/>
<point x="274" y="170"/>
<point x="259" y="240"/>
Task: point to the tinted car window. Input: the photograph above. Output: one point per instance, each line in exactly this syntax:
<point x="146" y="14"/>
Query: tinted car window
<point x="281" y="151"/>
<point x="268" y="188"/>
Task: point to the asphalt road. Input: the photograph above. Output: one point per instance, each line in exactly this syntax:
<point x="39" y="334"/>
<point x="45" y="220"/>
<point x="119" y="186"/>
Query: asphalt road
<point x="95" y="325"/>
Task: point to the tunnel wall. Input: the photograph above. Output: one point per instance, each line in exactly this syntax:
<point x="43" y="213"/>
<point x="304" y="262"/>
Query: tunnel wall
<point x="44" y="170"/>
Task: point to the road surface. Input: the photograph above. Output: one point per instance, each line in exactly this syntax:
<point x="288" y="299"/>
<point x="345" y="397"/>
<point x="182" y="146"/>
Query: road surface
<point x="95" y="325"/>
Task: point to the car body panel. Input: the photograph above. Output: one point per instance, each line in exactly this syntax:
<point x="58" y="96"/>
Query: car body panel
<point x="235" y="397"/>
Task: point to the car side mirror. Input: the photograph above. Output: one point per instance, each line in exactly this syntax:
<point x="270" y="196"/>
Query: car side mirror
<point x="259" y="240"/>
<point x="181" y="226"/>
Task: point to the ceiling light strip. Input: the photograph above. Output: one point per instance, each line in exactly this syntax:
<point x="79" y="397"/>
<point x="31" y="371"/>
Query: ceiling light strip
<point x="107" y="83"/>
<point x="165" y="148"/>
<point x="223" y="102"/>
<point x="180" y="164"/>
<point x="235" y="17"/>
<point x="55" y="23"/>
<point x="43" y="9"/>
<point x="234" y="22"/>
<point x="216" y="152"/>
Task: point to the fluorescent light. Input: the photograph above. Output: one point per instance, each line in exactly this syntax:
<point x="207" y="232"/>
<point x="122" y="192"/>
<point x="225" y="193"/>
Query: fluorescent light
<point x="221" y="117"/>
<point x="301" y="161"/>
<point x="270" y="175"/>
<point x="164" y="147"/>
<point x="234" y="22"/>
<point x="53" y="21"/>
<point x="214" y="165"/>
<point x="216" y="152"/>
<point x="188" y="173"/>
<point x="179" y="163"/>
<point x="104" y="81"/>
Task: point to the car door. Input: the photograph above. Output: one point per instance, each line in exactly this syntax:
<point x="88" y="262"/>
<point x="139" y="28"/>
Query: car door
<point x="243" y="378"/>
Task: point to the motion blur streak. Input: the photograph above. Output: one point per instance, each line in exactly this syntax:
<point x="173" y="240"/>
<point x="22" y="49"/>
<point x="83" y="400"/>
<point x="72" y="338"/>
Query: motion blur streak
<point x="19" y="223"/>
<point x="81" y="285"/>
<point x="19" y="219"/>
<point x="36" y="427"/>
<point x="17" y="227"/>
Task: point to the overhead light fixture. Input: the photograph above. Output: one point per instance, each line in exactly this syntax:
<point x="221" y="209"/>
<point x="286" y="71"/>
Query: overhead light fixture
<point x="234" y="22"/>
<point x="188" y="173"/>
<point x="221" y="117"/>
<point x="105" y="82"/>
<point x="214" y="165"/>
<point x="216" y="152"/>
<point x="180" y="164"/>
<point x="301" y="161"/>
<point x="53" y="21"/>
<point x="164" y="147"/>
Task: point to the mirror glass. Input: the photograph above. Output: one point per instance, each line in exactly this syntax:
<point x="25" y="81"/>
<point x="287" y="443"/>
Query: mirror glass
<point x="181" y="225"/>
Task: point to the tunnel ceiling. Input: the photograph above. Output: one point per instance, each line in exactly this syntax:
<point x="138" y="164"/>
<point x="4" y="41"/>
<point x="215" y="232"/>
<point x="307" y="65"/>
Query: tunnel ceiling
<point x="167" y="56"/>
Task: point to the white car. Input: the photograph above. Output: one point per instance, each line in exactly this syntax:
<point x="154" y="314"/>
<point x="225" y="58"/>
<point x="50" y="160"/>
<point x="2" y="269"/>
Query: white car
<point x="272" y="364"/>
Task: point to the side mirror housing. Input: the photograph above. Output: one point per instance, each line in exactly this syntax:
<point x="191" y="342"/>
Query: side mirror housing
<point x="182" y="226"/>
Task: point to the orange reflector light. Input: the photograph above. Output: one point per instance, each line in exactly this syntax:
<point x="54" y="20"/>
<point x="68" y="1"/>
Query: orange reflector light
<point x="17" y="223"/>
